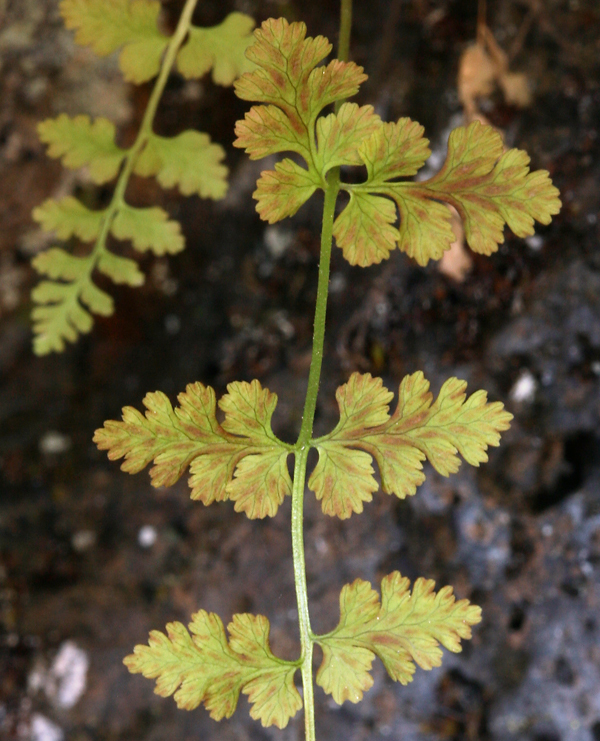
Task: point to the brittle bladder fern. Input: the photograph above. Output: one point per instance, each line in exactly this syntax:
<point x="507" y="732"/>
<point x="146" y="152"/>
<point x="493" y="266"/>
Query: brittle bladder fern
<point x="243" y="461"/>
<point x="67" y="299"/>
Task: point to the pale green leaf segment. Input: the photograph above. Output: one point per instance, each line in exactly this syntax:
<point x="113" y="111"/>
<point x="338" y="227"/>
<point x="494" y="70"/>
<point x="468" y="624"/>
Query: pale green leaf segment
<point x="129" y="25"/>
<point x="488" y="187"/>
<point x="202" y="666"/>
<point x="404" y="628"/>
<point x="240" y="458"/>
<point x="419" y="429"/>
<point x="221" y="48"/>
<point x="64" y="304"/>
<point x="133" y="27"/>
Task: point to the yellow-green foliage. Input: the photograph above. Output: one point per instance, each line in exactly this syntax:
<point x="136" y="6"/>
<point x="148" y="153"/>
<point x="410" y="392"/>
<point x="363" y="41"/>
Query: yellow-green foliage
<point x="402" y="629"/>
<point x="487" y="186"/>
<point x="241" y="459"/>
<point x="64" y="304"/>
<point x="202" y="666"/>
<point x="419" y="429"/>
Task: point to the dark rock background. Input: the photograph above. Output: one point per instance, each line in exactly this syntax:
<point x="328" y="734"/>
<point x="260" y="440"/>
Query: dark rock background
<point x="520" y="536"/>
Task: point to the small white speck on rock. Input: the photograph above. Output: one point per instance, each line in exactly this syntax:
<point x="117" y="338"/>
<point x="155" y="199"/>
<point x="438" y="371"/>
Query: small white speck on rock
<point x="69" y="674"/>
<point x="277" y="240"/>
<point x="63" y="683"/>
<point x="147" y="536"/>
<point x="524" y="389"/>
<point x="535" y="242"/>
<point x="337" y="283"/>
<point x="54" y="443"/>
<point x="43" y="729"/>
<point x="83" y="540"/>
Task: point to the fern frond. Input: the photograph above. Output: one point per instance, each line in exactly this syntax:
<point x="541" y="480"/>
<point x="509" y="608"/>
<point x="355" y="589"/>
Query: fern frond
<point x="221" y="48"/>
<point x="241" y="459"/>
<point x="190" y="160"/>
<point x="404" y="628"/>
<point x="419" y="429"/>
<point x="203" y="667"/>
<point x="109" y="25"/>
<point x="488" y="187"/>
<point x="81" y="142"/>
<point x="64" y="307"/>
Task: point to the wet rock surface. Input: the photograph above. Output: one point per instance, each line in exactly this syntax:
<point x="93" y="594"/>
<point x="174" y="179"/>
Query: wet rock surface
<point x="92" y="559"/>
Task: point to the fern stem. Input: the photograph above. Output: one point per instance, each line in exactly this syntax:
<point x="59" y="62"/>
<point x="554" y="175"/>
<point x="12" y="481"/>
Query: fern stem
<point x="301" y="591"/>
<point x="345" y="30"/>
<point x="302" y="449"/>
<point x="145" y="131"/>
<point x="303" y="445"/>
<point x="314" y="376"/>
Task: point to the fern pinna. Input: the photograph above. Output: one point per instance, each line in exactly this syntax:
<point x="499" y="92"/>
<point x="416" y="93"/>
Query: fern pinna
<point x="240" y="459"/>
<point x="65" y="302"/>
